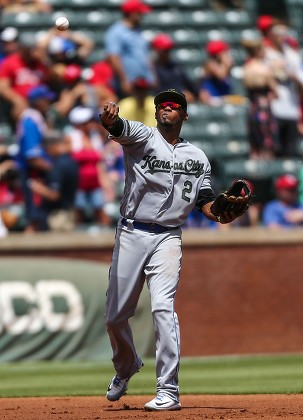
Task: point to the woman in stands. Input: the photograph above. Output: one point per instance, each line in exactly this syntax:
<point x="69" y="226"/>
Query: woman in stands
<point x="260" y="85"/>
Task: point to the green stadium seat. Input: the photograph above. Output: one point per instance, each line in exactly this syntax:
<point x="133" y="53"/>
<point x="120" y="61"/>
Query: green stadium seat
<point x="185" y="37"/>
<point x="6" y="133"/>
<point x="28" y="20"/>
<point x="189" y="56"/>
<point x="189" y="131"/>
<point x="95" y="19"/>
<point x="85" y="4"/>
<point x="97" y="55"/>
<point x="261" y="173"/>
<point x="188" y="4"/>
<point x="165" y="19"/>
<point x="191" y="4"/>
<point x="214" y="19"/>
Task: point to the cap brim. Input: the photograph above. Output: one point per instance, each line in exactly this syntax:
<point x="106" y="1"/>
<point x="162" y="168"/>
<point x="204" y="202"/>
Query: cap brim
<point x="170" y="96"/>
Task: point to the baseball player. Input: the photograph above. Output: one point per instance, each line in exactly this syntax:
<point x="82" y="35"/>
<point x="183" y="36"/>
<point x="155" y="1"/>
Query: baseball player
<point x="166" y="177"/>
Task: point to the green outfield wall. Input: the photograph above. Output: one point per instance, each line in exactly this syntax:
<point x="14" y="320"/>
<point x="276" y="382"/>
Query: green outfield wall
<point x="240" y="292"/>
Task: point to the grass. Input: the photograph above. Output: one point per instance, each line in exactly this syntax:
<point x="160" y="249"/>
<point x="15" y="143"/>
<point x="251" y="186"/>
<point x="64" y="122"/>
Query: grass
<point x="281" y="374"/>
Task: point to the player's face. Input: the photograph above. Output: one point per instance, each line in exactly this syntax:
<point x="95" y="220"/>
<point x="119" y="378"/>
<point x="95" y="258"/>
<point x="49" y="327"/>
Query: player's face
<point x="170" y="114"/>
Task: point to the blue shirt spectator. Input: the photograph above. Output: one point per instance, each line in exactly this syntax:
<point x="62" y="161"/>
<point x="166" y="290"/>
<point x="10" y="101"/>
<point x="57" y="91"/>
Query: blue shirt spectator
<point x="32" y="160"/>
<point x="285" y="211"/>
<point x="31" y="129"/>
<point x="126" y="48"/>
<point x="216" y="83"/>
<point x="277" y="213"/>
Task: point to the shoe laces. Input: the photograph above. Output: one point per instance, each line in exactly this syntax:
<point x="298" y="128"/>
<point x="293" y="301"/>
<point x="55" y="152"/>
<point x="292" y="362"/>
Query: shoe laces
<point x="119" y="383"/>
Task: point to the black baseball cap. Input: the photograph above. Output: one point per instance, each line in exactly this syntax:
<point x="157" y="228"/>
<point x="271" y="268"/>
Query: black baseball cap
<point x="173" y="96"/>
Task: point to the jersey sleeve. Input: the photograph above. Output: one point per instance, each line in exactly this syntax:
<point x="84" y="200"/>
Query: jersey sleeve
<point x="133" y="132"/>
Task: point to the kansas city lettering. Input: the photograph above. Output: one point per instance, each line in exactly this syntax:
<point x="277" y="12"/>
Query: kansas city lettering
<point x="189" y="167"/>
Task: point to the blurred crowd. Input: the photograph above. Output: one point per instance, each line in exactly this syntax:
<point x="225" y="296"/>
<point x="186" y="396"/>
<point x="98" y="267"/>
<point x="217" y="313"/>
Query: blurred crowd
<point x="62" y="173"/>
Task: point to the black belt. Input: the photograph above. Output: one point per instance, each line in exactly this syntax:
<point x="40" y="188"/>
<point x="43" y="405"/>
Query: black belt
<point x="148" y="227"/>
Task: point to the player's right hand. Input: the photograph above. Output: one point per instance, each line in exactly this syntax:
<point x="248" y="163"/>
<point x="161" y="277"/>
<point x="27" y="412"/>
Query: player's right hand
<point x="110" y="113"/>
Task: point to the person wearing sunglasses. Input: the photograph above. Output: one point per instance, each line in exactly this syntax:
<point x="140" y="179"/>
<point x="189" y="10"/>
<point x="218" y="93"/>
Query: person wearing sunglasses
<point x="165" y="178"/>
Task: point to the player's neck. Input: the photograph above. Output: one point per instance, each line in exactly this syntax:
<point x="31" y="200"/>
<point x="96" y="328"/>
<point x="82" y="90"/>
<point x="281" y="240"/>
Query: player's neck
<point x="170" y="135"/>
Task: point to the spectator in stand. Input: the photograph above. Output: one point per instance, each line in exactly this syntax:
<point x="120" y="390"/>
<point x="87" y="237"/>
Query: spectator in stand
<point x="11" y="197"/>
<point x="285" y="211"/>
<point x="9" y="43"/>
<point x="19" y="73"/>
<point x="261" y="87"/>
<point x="286" y="64"/>
<point x="167" y="69"/>
<point x="264" y="24"/>
<point x="30" y="6"/>
<point x="3" y="229"/>
<point x="58" y="190"/>
<point x="32" y="160"/>
<point x="72" y="89"/>
<point x="140" y="106"/>
<point x="86" y="146"/>
<point x="216" y="82"/>
<point x="127" y="51"/>
<point x="102" y="79"/>
<point x="66" y="47"/>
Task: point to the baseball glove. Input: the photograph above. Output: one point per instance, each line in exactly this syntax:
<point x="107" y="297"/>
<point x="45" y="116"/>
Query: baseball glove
<point x="236" y="199"/>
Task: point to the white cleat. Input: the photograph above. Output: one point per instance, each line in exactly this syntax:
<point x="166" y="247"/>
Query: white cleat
<point x="162" y="402"/>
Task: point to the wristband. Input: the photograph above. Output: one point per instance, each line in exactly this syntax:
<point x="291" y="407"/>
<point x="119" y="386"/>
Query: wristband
<point x="108" y="126"/>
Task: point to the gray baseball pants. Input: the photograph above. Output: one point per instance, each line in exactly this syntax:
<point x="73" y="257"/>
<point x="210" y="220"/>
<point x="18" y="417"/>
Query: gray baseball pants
<point x="140" y="255"/>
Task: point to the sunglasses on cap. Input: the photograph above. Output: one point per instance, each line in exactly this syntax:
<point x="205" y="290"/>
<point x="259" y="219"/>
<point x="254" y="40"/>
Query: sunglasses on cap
<point x="172" y="105"/>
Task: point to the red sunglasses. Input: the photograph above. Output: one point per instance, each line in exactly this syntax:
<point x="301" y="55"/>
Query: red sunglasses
<point x="172" y="105"/>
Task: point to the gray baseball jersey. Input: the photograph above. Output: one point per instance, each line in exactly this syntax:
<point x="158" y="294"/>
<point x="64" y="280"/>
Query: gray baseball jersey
<point x="162" y="181"/>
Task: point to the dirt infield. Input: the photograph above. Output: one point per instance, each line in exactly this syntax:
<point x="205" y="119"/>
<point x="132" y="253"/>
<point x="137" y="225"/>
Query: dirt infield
<point x="265" y="407"/>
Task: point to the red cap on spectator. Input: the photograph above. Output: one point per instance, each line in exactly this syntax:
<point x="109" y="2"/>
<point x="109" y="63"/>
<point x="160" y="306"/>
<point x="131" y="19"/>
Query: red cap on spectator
<point x="142" y="83"/>
<point x="264" y="22"/>
<point x="135" y="6"/>
<point x="288" y="181"/>
<point x="162" y="42"/>
<point x="216" y="47"/>
<point x="72" y="73"/>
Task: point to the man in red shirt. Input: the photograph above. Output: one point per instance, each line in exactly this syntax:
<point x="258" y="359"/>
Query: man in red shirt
<point x="19" y="73"/>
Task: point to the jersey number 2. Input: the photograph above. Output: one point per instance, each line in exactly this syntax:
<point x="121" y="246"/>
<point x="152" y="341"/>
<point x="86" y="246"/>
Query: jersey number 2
<point x="188" y="186"/>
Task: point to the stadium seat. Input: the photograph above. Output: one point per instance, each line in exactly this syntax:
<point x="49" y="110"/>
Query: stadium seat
<point x="165" y="19"/>
<point x="6" y="133"/>
<point x="262" y="172"/>
<point x="189" y="56"/>
<point x="95" y="19"/>
<point x="185" y="37"/>
<point x="214" y="19"/>
<point x="29" y="20"/>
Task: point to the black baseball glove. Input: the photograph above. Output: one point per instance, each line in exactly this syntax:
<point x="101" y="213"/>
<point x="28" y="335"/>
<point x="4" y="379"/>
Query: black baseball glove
<point x="236" y="199"/>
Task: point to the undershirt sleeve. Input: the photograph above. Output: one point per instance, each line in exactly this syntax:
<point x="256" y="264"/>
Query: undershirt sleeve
<point x="205" y="196"/>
